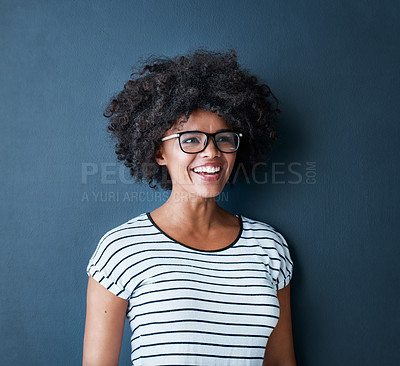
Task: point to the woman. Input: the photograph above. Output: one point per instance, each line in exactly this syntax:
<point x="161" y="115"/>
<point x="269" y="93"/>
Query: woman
<point x="198" y="285"/>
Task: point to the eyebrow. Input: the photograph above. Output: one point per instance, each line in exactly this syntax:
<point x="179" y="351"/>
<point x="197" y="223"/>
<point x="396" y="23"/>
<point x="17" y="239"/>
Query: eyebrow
<point x="220" y="130"/>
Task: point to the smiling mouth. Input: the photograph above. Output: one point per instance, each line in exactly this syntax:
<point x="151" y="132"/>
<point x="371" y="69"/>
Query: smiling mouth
<point x="207" y="170"/>
<point x="208" y="174"/>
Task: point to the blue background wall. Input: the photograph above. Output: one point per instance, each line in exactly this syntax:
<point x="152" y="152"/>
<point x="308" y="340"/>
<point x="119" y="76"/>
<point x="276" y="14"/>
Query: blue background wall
<point x="335" y="67"/>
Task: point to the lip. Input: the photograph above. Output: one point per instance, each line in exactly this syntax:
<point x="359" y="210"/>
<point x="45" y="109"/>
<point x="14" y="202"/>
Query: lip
<point x="212" y="165"/>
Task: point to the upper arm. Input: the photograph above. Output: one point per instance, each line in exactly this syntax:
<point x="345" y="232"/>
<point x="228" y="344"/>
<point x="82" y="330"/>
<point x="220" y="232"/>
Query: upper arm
<point x="105" y="317"/>
<point x="280" y="349"/>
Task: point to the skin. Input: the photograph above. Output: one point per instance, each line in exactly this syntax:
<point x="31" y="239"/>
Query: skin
<point x="197" y="221"/>
<point x="105" y="317"/>
<point x="280" y="349"/>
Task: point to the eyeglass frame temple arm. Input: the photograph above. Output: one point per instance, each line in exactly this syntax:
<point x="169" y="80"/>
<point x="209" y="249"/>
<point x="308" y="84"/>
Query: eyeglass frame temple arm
<point x="170" y="137"/>
<point x="177" y="135"/>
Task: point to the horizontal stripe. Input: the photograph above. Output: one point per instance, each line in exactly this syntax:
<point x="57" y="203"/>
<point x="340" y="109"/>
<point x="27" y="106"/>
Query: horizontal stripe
<point x="200" y="343"/>
<point x="159" y="301"/>
<point x="212" y="283"/>
<point x="213" y="311"/>
<point x="191" y="331"/>
<point x="200" y="290"/>
<point x="231" y="324"/>
<point x="199" y="354"/>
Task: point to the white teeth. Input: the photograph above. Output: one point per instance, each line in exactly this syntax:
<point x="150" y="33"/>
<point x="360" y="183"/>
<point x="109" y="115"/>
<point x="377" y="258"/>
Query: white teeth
<point x="208" y="169"/>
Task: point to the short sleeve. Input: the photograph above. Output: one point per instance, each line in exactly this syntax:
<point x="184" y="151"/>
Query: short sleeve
<point x="103" y="263"/>
<point x="286" y="263"/>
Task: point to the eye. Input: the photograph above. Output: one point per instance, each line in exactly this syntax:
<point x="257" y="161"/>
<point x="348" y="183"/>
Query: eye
<point x="190" y="140"/>
<point x="224" y="139"/>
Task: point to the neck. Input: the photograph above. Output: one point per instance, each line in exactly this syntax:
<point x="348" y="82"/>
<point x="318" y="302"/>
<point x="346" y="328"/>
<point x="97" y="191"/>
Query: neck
<point x="196" y="212"/>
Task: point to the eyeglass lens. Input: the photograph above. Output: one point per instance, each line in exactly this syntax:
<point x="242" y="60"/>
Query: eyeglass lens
<point x="192" y="142"/>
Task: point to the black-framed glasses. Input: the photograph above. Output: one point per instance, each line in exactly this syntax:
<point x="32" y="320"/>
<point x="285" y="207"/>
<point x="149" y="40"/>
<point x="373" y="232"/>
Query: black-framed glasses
<point x="193" y="142"/>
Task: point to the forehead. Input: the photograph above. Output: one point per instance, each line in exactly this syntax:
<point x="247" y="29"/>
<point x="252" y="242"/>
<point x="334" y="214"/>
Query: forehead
<point x="202" y="121"/>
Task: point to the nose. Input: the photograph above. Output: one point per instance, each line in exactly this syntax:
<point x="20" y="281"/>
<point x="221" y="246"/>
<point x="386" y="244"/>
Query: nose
<point x="211" y="149"/>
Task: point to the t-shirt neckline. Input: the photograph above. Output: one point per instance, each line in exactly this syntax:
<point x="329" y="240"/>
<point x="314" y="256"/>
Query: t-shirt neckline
<point x="196" y="249"/>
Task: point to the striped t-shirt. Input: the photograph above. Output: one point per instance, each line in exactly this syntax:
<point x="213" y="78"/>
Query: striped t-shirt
<point x="195" y="307"/>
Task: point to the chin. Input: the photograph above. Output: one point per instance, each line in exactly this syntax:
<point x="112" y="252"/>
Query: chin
<point x="202" y="190"/>
<point x="208" y="193"/>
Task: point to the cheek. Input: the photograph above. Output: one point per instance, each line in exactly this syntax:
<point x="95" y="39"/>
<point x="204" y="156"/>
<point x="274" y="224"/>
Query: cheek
<point x="180" y="167"/>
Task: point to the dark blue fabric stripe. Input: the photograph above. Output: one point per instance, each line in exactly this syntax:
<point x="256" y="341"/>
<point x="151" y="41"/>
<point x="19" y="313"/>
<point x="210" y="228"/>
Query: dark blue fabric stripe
<point x="199" y="343"/>
<point x="206" y="311"/>
<point x="201" y="290"/>
<point x="209" y="283"/>
<point x="199" y="355"/>
<point x="159" y="301"/>
<point x="191" y="331"/>
<point x="197" y="320"/>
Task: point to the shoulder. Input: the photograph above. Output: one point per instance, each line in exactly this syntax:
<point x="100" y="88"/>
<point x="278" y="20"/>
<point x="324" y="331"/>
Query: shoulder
<point x="115" y="247"/>
<point x="260" y="230"/>
<point x="275" y="247"/>
<point x="134" y="224"/>
<point x="115" y="239"/>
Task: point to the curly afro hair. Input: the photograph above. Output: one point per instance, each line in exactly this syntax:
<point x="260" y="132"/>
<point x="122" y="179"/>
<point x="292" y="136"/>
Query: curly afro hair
<point x="165" y="89"/>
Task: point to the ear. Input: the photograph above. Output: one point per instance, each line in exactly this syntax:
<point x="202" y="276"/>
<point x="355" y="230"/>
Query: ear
<point x="159" y="156"/>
